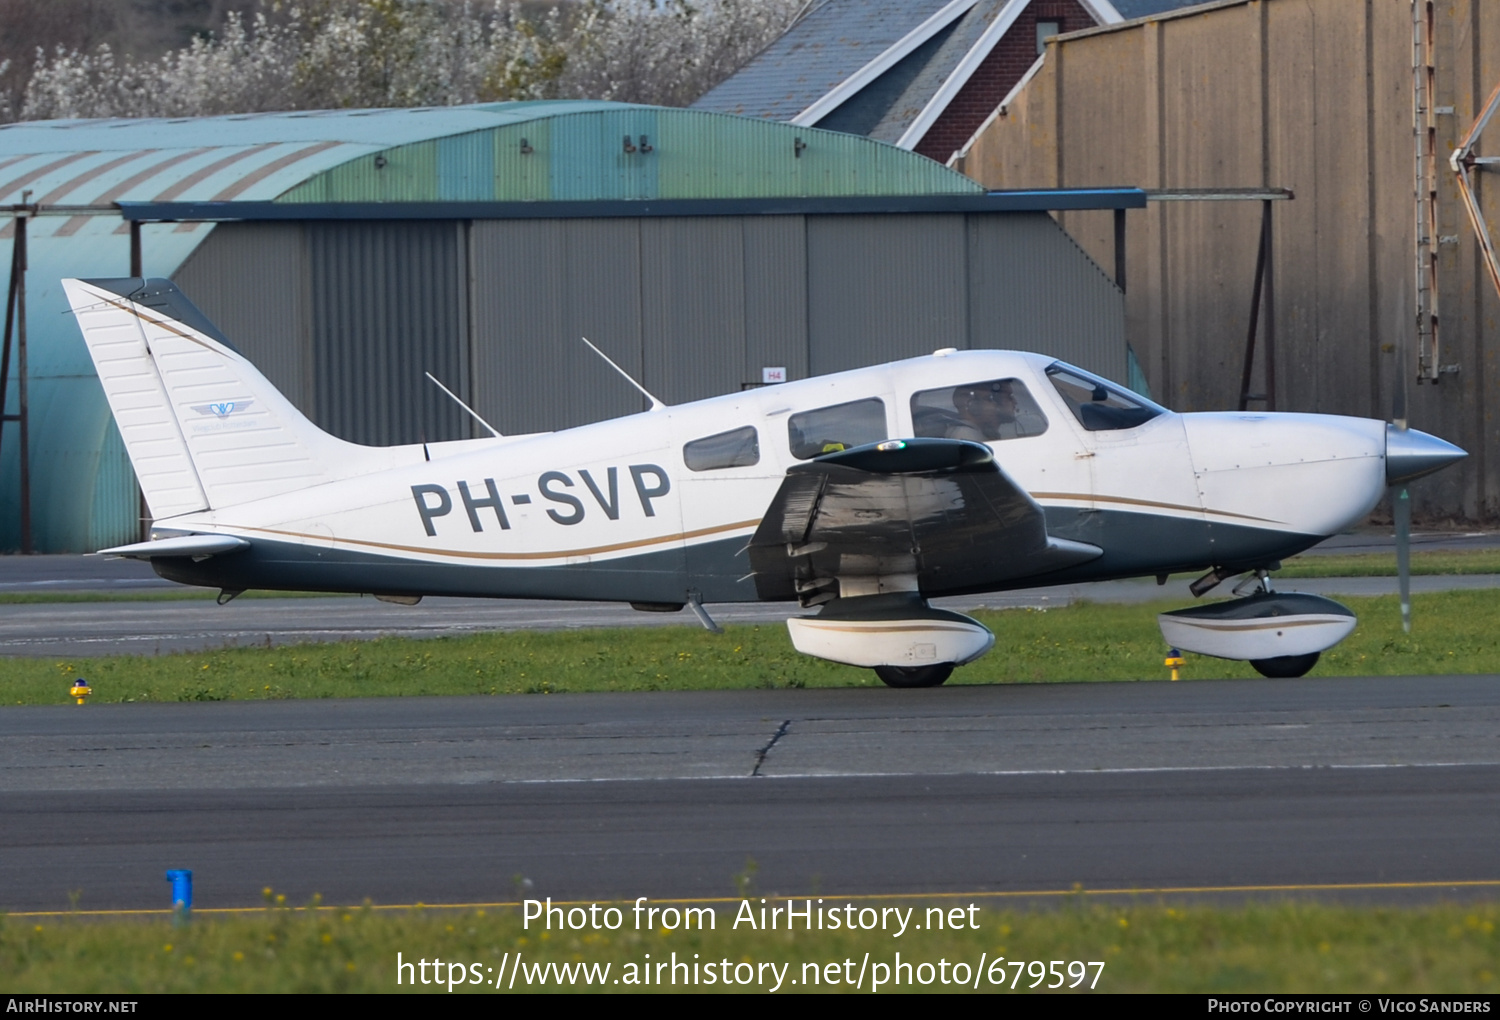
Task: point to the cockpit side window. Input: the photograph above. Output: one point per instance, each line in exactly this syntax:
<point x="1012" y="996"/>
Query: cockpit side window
<point x="736" y="448"/>
<point x="982" y="412"/>
<point x="840" y="427"/>
<point x="1100" y="406"/>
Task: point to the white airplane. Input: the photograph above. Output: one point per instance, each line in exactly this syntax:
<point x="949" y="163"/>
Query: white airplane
<point x="864" y="493"/>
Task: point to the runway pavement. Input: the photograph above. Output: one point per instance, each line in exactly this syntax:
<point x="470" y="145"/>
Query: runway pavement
<point x="1010" y="789"/>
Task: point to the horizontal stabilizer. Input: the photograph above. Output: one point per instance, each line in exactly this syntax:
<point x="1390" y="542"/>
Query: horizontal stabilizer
<point x="196" y="546"/>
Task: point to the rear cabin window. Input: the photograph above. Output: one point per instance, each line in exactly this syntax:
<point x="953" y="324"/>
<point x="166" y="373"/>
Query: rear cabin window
<point x="982" y="412"/>
<point x="840" y="427"/>
<point x="1098" y="405"/>
<point x="736" y="448"/>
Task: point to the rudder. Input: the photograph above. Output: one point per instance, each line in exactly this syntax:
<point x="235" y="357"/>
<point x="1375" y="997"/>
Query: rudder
<point x="203" y="428"/>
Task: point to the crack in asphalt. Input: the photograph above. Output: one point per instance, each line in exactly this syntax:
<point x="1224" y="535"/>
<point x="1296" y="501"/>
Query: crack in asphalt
<point x="760" y="756"/>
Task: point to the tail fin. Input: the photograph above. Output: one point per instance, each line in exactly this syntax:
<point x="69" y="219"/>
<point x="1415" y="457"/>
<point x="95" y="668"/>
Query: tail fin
<point x="204" y="429"/>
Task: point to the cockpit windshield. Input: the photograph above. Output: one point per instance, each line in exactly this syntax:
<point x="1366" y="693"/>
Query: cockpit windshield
<point x="1098" y="405"/>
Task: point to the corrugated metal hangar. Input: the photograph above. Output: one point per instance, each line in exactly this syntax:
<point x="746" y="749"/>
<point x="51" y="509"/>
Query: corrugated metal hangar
<point x="349" y="252"/>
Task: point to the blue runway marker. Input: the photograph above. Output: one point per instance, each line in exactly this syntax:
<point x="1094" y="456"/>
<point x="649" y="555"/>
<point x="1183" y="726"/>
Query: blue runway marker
<point x="182" y="890"/>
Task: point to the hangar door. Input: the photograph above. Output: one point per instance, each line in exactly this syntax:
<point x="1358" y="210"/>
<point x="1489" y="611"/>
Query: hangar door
<point x="691" y="306"/>
<point x="880" y="288"/>
<point x="344" y="318"/>
<point x="389" y="302"/>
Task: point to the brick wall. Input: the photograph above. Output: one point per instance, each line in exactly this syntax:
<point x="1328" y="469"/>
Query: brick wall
<point x="994" y="79"/>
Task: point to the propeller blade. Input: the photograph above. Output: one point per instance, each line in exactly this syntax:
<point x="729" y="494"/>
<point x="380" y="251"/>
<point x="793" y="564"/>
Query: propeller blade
<point x="1401" y="510"/>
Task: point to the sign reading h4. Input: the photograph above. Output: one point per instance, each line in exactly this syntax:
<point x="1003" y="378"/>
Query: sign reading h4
<point x="484" y="505"/>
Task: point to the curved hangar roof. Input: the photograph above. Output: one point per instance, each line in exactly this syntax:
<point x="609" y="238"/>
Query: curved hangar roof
<point x="542" y="151"/>
<point x="546" y="156"/>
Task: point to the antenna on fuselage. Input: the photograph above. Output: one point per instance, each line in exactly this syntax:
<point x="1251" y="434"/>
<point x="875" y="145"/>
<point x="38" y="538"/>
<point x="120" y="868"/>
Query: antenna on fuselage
<point x="656" y="405"/>
<point x="475" y="414"/>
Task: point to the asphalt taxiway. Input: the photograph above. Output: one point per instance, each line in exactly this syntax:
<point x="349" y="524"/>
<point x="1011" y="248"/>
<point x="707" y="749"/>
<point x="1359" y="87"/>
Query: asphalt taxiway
<point x="1386" y="783"/>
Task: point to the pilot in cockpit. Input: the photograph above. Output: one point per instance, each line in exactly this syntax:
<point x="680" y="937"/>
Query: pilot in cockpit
<point x="986" y="412"/>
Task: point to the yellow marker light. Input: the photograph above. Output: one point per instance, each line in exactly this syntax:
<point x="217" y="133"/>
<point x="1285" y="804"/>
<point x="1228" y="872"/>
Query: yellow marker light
<point x="1174" y="662"/>
<point x="81" y="689"/>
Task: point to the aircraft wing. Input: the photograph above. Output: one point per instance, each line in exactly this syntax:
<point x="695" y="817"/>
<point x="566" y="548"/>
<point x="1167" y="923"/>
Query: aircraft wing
<point x="939" y="509"/>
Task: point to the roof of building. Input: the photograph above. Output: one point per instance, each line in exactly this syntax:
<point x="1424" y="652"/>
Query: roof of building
<point x="886" y="69"/>
<point x="828" y="45"/>
<point x="922" y="73"/>
<point x="573" y="151"/>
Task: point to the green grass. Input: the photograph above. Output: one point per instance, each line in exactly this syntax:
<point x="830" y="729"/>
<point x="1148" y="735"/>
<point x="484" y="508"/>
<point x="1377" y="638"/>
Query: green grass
<point x="1145" y="946"/>
<point x="1455" y="632"/>
<point x="1476" y="561"/>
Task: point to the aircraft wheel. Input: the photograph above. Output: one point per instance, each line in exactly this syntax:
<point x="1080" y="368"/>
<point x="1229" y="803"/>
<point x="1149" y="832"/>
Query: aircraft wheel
<point x="1285" y="666"/>
<point x="915" y="676"/>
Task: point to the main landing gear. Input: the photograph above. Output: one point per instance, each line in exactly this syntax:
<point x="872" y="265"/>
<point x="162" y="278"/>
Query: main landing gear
<point x="915" y="676"/>
<point x="907" y="642"/>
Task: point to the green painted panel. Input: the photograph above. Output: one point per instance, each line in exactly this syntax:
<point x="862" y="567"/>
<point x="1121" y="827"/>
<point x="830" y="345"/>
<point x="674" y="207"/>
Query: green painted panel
<point x="590" y="158"/>
<point x="522" y="176"/>
<point x="406" y="173"/>
<point x="716" y="156"/>
<point x="466" y="167"/>
<point x="583" y="153"/>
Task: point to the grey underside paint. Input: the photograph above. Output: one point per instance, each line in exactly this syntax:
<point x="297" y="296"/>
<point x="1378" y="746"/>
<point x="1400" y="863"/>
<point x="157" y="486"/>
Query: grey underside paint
<point x="1135" y="544"/>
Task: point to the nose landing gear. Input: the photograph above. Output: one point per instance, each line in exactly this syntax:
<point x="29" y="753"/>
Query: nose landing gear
<point x="1281" y="634"/>
<point x="1285" y="667"/>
